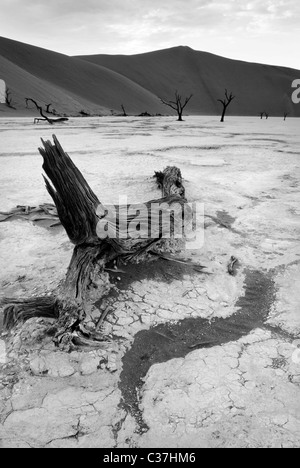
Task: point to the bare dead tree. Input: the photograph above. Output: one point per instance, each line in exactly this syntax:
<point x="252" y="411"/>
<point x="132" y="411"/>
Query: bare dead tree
<point x="8" y="98"/>
<point x="145" y="114"/>
<point x="178" y="105"/>
<point x="44" y="117"/>
<point x="226" y="102"/>
<point x="285" y="115"/>
<point x="267" y="115"/>
<point x="262" y="115"/>
<point x="124" y="111"/>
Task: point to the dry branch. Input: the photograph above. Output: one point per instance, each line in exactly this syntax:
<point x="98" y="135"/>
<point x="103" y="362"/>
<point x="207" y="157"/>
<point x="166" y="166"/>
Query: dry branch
<point x="45" y="118"/>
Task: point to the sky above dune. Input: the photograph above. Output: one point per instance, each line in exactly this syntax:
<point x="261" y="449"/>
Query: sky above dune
<point x="251" y="30"/>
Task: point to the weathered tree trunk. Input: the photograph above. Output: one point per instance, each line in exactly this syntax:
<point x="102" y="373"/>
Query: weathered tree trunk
<point x="79" y="211"/>
<point x="223" y="114"/>
<point x="76" y="205"/>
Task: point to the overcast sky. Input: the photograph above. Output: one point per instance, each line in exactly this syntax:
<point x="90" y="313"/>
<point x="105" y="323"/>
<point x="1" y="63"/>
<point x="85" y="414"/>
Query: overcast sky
<point x="252" y="30"/>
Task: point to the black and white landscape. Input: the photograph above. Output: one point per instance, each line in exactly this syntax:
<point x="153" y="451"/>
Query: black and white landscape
<point x="200" y="346"/>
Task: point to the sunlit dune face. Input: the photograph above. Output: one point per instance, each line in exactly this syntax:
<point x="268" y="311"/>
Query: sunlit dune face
<point x="2" y="92"/>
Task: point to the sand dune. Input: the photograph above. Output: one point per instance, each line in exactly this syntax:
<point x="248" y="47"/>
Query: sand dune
<point x="257" y="87"/>
<point x="100" y="84"/>
<point x="71" y="84"/>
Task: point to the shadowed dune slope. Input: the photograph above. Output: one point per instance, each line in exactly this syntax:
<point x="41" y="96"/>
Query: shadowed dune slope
<point x="102" y="83"/>
<point x="257" y="87"/>
<point x="69" y="83"/>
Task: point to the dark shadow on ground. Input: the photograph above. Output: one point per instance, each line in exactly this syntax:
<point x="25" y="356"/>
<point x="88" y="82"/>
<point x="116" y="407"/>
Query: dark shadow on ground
<point x="175" y="340"/>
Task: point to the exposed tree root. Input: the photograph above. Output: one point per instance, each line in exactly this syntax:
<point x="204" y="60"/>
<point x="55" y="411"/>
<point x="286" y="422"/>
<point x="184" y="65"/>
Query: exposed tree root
<point x="22" y="310"/>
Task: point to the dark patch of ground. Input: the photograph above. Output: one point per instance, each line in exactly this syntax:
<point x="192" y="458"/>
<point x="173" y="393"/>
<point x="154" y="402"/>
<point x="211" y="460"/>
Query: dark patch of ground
<point x="225" y="219"/>
<point x="176" y="340"/>
<point x="159" y="269"/>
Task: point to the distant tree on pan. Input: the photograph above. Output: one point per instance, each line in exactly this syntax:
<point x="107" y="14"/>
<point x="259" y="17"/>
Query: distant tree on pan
<point x="226" y="102"/>
<point x="285" y="115"/>
<point x="8" y="98"/>
<point x="178" y="104"/>
<point x="124" y="111"/>
<point x="265" y="114"/>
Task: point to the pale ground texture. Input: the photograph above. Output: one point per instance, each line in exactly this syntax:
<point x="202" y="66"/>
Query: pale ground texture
<point x="240" y="394"/>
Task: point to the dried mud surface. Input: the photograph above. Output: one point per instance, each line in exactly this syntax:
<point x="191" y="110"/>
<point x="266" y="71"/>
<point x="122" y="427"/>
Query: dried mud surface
<point x="191" y="359"/>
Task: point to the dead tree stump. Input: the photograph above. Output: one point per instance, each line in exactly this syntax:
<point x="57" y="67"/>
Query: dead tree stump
<point x="80" y="211"/>
<point x="170" y="182"/>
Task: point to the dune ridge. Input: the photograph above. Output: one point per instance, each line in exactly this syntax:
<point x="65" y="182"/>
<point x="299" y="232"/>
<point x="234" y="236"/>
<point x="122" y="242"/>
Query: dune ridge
<point x="100" y="84"/>
<point x="70" y="83"/>
<point x="258" y="87"/>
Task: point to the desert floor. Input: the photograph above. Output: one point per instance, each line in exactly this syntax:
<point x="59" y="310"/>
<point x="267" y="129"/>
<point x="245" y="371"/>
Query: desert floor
<point x="191" y="359"/>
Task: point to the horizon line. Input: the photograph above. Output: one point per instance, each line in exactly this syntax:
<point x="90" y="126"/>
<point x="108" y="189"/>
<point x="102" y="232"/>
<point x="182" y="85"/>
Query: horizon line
<point x="148" y="52"/>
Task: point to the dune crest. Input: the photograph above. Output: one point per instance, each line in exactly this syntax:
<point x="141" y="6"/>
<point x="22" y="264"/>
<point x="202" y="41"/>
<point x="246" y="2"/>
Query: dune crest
<point x="101" y="84"/>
